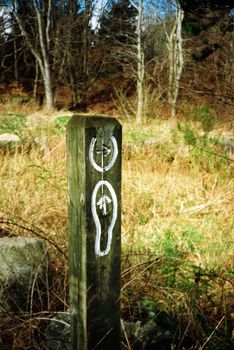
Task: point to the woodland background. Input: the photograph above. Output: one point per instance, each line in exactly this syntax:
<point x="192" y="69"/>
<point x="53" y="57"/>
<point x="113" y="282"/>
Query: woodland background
<point x="78" y="54"/>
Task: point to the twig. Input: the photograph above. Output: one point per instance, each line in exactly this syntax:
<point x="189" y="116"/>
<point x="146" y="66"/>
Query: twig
<point x="212" y="333"/>
<point x="41" y="234"/>
<point x="125" y="335"/>
<point x="200" y="207"/>
<point x="52" y="319"/>
<point x="213" y="153"/>
<point x="110" y="330"/>
<point x="184" y="334"/>
<point x="34" y="281"/>
<point x="131" y="268"/>
<point x="140" y="273"/>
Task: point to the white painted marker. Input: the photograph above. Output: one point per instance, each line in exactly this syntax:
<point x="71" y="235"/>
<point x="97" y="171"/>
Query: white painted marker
<point x="111" y="163"/>
<point x="103" y="183"/>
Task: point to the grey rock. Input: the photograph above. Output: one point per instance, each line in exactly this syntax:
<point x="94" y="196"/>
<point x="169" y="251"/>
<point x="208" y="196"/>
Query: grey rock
<point x="9" y="142"/>
<point x="58" y="332"/>
<point x="150" y="335"/>
<point x="23" y="273"/>
<point x="8" y="138"/>
<point x="228" y="143"/>
<point x="131" y="331"/>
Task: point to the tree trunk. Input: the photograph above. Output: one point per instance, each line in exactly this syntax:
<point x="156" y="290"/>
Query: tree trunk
<point x="44" y="45"/>
<point x="140" y="68"/>
<point x="86" y="37"/>
<point x="176" y="61"/>
<point x="42" y="56"/>
<point x="16" y="75"/>
<point x="48" y="87"/>
<point x="15" y="63"/>
<point x="35" y="86"/>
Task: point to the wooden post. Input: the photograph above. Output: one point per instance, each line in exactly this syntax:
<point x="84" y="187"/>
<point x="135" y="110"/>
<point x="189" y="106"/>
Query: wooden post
<point x="94" y="203"/>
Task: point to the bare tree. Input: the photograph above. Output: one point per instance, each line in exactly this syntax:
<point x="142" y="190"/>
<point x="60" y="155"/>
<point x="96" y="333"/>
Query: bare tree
<point x="140" y="63"/>
<point x="140" y="67"/>
<point x="176" y="59"/>
<point x="123" y="36"/>
<point x="39" y="44"/>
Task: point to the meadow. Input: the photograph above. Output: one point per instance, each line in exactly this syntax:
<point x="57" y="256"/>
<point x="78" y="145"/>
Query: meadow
<point x="177" y="222"/>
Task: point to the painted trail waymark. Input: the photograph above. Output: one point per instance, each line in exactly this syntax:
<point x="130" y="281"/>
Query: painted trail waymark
<point x="94" y="204"/>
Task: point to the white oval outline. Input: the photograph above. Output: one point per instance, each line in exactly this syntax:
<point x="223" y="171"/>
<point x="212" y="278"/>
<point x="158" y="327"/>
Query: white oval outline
<point x="98" y="251"/>
<point x="112" y="162"/>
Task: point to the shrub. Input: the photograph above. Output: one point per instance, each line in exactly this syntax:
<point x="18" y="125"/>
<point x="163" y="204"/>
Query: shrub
<point x="205" y="116"/>
<point x="206" y="150"/>
<point x="12" y="123"/>
<point x="60" y="124"/>
<point x="20" y="100"/>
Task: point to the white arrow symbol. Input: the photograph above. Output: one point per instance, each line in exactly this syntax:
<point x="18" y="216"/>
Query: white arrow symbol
<point x="105" y="151"/>
<point x="102" y="203"/>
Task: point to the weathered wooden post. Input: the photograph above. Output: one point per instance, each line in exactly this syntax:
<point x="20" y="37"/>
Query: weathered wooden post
<point x="94" y="201"/>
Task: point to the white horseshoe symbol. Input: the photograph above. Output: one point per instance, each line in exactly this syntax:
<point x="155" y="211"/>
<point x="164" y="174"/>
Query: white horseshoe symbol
<point x="98" y="251"/>
<point x="112" y="162"/>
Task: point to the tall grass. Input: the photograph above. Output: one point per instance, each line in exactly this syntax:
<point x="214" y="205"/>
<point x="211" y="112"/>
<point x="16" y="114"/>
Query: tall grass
<point x="177" y="224"/>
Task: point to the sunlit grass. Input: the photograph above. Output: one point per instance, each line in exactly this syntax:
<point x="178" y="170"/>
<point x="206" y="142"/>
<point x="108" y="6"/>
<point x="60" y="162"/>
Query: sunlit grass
<point x="177" y="209"/>
<point x="163" y="189"/>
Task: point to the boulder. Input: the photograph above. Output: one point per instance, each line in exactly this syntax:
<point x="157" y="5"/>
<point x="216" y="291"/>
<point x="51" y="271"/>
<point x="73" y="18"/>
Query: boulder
<point x="9" y="138"/>
<point x="228" y="143"/>
<point x="142" y="336"/>
<point x="9" y="142"/>
<point x="58" y="332"/>
<point x="23" y="273"/>
<point x="150" y="335"/>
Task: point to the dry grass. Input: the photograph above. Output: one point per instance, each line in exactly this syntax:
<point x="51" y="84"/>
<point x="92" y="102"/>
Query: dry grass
<point x="178" y="231"/>
<point x="177" y="210"/>
<point x="164" y="189"/>
<point x="34" y="191"/>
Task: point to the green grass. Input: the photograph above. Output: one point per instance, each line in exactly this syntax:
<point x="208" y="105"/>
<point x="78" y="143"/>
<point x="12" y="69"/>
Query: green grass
<point x="59" y="124"/>
<point x="12" y="123"/>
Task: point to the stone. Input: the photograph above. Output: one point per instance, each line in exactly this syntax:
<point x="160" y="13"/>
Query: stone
<point x="150" y="335"/>
<point x="228" y="143"/>
<point x="8" y="138"/>
<point x="58" y="332"/>
<point x="9" y="142"/>
<point x="41" y="142"/>
<point x="153" y="336"/>
<point x="23" y="273"/>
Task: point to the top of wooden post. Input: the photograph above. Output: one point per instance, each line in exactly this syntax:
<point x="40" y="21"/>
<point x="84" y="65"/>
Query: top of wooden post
<point x="91" y="120"/>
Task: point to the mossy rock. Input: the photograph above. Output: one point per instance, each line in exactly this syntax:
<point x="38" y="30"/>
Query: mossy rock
<point x="23" y="273"/>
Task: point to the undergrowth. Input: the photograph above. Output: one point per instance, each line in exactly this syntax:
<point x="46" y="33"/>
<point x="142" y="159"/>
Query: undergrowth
<point x="177" y="229"/>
